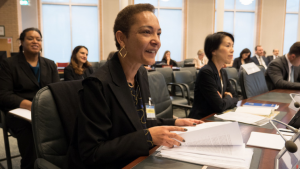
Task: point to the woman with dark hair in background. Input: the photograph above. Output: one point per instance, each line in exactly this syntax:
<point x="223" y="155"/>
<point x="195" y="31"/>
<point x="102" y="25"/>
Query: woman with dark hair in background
<point x="113" y="128"/>
<point x="79" y="67"/>
<point x="243" y="59"/>
<point x="167" y="59"/>
<point x="213" y="91"/>
<point x="20" y="79"/>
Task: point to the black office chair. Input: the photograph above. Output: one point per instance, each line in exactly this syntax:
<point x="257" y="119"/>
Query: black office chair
<point x="186" y="61"/>
<point x="233" y="77"/>
<point x="169" y="79"/>
<point x="6" y="133"/>
<point x="185" y="78"/>
<point x="192" y="69"/>
<point x="54" y="115"/>
<point x="160" y="96"/>
<point x="254" y="84"/>
<point x="95" y="65"/>
<point x="102" y="62"/>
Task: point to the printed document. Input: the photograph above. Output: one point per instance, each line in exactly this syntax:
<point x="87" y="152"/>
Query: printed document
<point x="22" y="113"/>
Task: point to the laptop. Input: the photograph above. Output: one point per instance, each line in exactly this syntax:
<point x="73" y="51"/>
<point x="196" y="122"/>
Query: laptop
<point x="285" y="159"/>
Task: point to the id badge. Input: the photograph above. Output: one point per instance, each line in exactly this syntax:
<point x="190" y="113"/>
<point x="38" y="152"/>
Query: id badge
<point x="150" y="110"/>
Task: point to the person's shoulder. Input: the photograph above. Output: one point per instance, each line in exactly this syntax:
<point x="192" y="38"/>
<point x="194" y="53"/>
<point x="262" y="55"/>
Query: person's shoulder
<point x="69" y="67"/>
<point x="47" y="61"/>
<point x="206" y="69"/>
<point x="237" y="59"/>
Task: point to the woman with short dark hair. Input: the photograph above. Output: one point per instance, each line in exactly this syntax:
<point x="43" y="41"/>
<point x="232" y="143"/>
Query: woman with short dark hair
<point x="213" y="91"/>
<point x="113" y="128"/>
<point x="20" y="79"/>
<point x="79" y="67"/>
<point x="167" y="59"/>
<point x="243" y="59"/>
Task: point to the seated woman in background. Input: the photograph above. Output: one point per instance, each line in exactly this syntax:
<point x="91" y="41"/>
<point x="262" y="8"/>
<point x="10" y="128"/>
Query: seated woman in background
<point x="79" y="67"/>
<point x="113" y="128"/>
<point x="21" y="77"/>
<point x="200" y="60"/>
<point x="213" y="91"/>
<point x="167" y="59"/>
<point x="243" y="59"/>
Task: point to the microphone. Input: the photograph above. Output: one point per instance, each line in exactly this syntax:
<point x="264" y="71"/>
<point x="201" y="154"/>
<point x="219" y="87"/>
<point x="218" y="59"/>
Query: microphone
<point x="289" y="144"/>
<point x="296" y="104"/>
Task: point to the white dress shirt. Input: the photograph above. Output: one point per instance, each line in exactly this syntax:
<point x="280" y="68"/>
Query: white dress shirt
<point x="261" y="61"/>
<point x="289" y="65"/>
<point x="274" y="57"/>
<point x="200" y="63"/>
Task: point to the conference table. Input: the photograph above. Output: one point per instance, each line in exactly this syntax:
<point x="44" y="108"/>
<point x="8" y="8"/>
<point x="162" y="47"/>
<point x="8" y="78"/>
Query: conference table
<point x="266" y="161"/>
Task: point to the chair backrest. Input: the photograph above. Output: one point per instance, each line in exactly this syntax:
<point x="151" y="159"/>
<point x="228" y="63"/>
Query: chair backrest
<point x="54" y="113"/>
<point x="167" y="73"/>
<point x="232" y="73"/>
<point x="254" y="84"/>
<point x="193" y="70"/>
<point x="160" y="95"/>
<point x="188" y="61"/>
<point x="102" y="62"/>
<point x="95" y="65"/>
<point x="180" y="64"/>
<point x="48" y="133"/>
<point x="184" y="76"/>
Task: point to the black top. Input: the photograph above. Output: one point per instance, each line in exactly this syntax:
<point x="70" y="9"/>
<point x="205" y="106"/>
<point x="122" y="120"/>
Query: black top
<point x="277" y="75"/>
<point x="69" y="73"/>
<point x="237" y="63"/>
<point x="172" y="62"/>
<point x="206" y="97"/>
<point x="18" y="82"/>
<point x="110" y="133"/>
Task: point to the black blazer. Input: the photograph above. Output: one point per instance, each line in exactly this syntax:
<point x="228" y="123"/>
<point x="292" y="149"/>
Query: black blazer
<point x="18" y="82"/>
<point x="69" y="73"/>
<point x="172" y="62"/>
<point x="277" y="75"/>
<point x="237" y="63"/>
<point x="255" y="60"/>
<point x="206" y="98"/>
<point x="110" y="134"/>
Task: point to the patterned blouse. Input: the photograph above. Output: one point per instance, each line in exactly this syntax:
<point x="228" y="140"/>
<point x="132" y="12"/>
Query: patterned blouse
<point x="138" y="102"/>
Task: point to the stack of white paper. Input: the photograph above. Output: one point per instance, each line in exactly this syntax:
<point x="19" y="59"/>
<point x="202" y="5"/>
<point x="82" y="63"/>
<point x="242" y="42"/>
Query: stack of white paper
<point x="22" y="113"/>
<point x="264" y="111"/>
<point x="217" y="144"/>
<point x="244" y="118"/>
<point x="266" y="140"/>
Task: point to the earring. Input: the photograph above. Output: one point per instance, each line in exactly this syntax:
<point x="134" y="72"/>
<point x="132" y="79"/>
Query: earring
<point x="121" y="52"/>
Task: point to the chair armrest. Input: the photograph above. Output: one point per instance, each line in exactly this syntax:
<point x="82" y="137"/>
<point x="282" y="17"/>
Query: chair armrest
<point x="231" y="80"/>
<point x="187" y="88"/>
<point x="41" y="163"/>
<point x="182" y="106"/>
<point x="180" y="86"/>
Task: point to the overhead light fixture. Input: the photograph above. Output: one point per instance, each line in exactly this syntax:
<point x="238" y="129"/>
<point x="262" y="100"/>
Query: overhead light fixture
<point x="246" y="2"/>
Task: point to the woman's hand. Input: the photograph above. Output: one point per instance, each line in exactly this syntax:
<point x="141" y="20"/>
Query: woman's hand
<point x="26" y="104"/>
<point x="228" y="93"/>
<point x="219" y="94"/>
<point x="161" y="135"/>
<point x="187" y="122"/>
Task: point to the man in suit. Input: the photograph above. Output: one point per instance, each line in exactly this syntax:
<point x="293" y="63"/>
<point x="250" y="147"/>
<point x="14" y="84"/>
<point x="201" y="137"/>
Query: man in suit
<point x="258" y="59"/>
<point x="274" y="56"/>
<point x="283" y="72"/>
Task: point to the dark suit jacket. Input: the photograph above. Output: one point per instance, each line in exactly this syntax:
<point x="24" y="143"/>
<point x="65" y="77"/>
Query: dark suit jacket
<point x="277" y="75"/>
<point x="254" y="59"/>
<point x="207" y="100"/>
<point x="172" y="62"/>
<point x="110" y="134"/>
<point x="270" y="58"/>
<point x="237" y="63"/>
<point x="18" y="82"/>
<point x="69" y="73"/>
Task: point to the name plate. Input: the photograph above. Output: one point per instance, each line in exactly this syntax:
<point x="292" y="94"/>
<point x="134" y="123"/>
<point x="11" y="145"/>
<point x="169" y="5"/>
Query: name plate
<point x="250" y="68"/>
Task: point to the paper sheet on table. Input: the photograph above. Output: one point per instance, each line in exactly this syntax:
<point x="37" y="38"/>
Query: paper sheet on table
<point x="212" y="160"/>
<point x="255" y="110"/>
<point x="244" y="118"/>
<point x="236" y="152"/>
<point x="266" y="140"/>
<point x="250" y="68"/>
<point x="212" y="134"/>
<point x="22" y="113"/>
